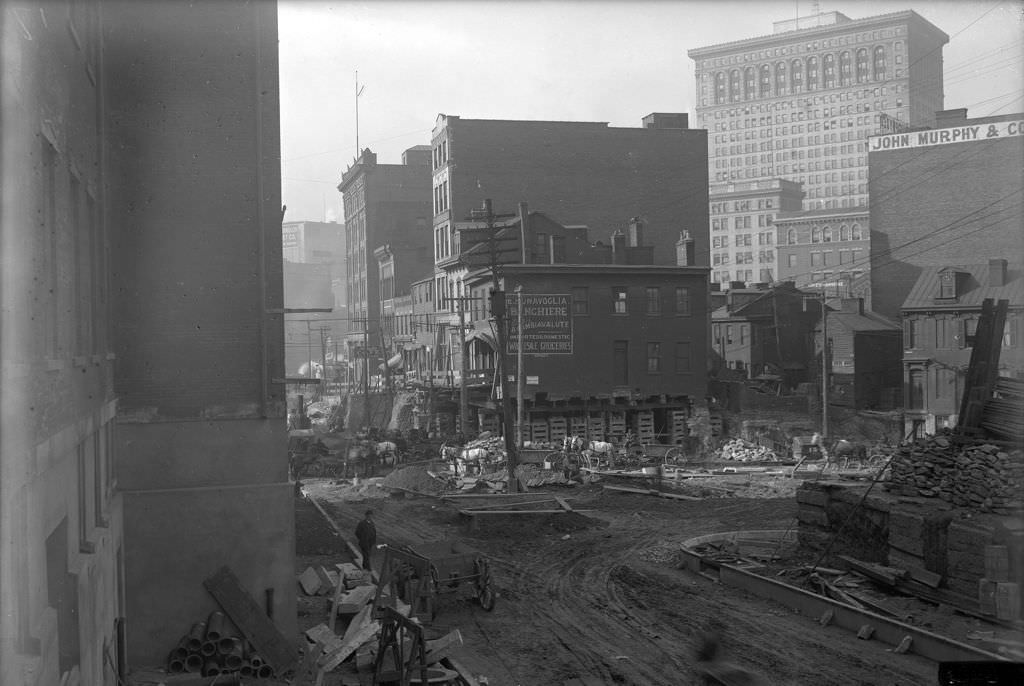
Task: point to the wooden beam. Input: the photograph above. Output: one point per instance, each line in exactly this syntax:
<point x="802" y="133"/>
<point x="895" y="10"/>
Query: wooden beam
<point x="565" y="506"/>
<point x="252" y="621"/>
<point x="471" y="513"/>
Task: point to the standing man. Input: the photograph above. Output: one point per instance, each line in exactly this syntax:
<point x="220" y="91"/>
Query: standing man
<point x="366" y="535"/>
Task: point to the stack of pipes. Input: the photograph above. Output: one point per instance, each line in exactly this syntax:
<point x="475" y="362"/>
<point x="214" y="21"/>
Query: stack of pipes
<point x="211" y="650"/>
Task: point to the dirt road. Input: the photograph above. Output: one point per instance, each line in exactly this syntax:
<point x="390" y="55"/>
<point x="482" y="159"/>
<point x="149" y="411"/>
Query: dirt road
<point x="598" y="596"/>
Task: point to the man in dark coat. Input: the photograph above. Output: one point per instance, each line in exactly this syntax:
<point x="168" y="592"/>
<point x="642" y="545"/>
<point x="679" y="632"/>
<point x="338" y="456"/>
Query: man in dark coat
<point x="366" y="535"/>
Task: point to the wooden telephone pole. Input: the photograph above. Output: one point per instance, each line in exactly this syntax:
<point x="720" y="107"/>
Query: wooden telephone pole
<point x="498" y="310"/>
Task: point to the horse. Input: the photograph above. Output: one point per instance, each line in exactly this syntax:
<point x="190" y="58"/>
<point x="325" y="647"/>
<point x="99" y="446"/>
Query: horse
<point x="459" y="457"/>
<point x="577" y="444"/>
<point x="387" y="451"/>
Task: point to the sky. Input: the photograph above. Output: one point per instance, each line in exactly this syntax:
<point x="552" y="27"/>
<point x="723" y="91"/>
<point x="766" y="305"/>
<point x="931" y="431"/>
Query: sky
<point x="571" y="60"/>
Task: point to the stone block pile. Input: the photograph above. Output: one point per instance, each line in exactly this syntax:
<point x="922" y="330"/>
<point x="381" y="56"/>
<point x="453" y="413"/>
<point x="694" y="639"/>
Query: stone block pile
<point x="739" y="450"/>
<point x="983" y="477"/>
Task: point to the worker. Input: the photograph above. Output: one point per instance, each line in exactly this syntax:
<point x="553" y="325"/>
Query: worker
<point x="366" y="535"/>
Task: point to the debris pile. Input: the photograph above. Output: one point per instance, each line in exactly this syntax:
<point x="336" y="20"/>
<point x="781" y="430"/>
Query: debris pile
<point x="739" y="450"/>
<point x="211" y="649"/>
<point x="983" y="477"/>
<point x="414" y="478"/>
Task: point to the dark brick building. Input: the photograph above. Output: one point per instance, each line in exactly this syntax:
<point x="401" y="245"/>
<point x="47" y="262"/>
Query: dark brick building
<point x="864" y="357"/>
<point x="385" y="204"/>
<point x="142" y="424"/>
<point x="939" y="197"/>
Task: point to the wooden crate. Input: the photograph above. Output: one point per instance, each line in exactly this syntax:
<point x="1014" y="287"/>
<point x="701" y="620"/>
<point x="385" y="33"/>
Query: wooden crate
<point x="539" y="431"/>
<point x="556" y="428"/>
<point x="489" y="422"/>
<point x="679" y="429"/>
<point x="616" y="423"/>
<point x="578" y="425"/>
<point x="645" y="426"/>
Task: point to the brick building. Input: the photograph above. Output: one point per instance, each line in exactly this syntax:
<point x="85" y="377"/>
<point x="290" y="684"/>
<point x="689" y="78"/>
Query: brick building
<point x="940" y="196"/>
<point x="385" y="204"/>
<point x="743" y="236"/>
<point x="826" y="250"/>
<point x="139" y="344"/>
<point x="940" y="316"/>
<point x="584" y="172"/>
<point x="799" y="104"/>
<point x="864" y="357"/>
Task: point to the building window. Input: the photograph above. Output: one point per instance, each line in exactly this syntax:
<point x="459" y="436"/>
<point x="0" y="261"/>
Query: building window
<point x="791" y="237"/>
<point x="619" y="301"/>
<point x="844" y="233"/>
<point x="792" y="261"/>
<point x="653" y="294"/>
<point x="580" y="300"/>
<point x="815" y="235"/>
<point x="654" y="358"/>
<point x="942" y="333"/>
<point x="682" y="358"/>
<point x="879" y="64"/>
<point x="558" y="250"/>
<point x="540" y="248"/>
<point x="682" y="300"/>
<point x="1011" y="333"/>
<point x="915" y="391"/>
<point x="947" y="285"/>
<point x="855" y="233"/>
<point x="913" y="333"/>
<point x="816" y="259"/>
<point x="826" y="234"/>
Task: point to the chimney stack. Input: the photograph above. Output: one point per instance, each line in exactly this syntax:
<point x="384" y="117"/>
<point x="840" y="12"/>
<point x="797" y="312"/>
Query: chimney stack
<point x="685" y="250"/>
<point x="997" y="272"/>
<point x="618" y="248"/>
<point x="524" y="230"/>
<point x="636" y="232"/>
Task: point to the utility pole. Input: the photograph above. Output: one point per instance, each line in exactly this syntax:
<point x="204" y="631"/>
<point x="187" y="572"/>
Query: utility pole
<point x="824" y="368"/>
<point x="498" y="310"/>
<point x="463" y="371"/>
<point x="323" y="360"/>
<point x="520" y="372"/>
<point x="359" y="91"/>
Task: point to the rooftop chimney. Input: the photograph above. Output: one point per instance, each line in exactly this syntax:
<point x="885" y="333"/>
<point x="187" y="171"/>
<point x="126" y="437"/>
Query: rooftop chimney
<point x="685" y="250"/>
<point x="852" y="305"/>
<point x="636" y="232"/>
<point x="997" y="272"/>
<point x="618" y="248"/>
<point x="524" y="229"/>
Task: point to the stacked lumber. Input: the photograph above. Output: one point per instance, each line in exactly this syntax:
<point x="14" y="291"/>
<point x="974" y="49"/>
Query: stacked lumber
<point x="985" y="477"/>
<point x="1003" y="415"/>
<point x="742" y="451"/>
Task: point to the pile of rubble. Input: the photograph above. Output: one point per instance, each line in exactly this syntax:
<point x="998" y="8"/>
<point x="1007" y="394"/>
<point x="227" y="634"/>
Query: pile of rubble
<point x="739" y="450"/>
<point x="414" y="478"/>
<point x="983" y="477"/>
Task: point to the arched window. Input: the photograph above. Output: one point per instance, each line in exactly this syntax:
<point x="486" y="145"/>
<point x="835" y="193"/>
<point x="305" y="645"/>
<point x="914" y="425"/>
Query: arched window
<point x="845" y="69"/>
<point x="812" y="73"/>
<point x="862" y="65"/>
<point x="815" y="235"/>
<point x="826" y="234"/>
<point x="749" y="83"/>
<point x="878" y="70"/>
<point x="734" y="85"/>
<point x="765" y="86"/>
<point x="780" y="78"/>
<point x="844" y="233"/>
<point x="796" y="75"/>
<point x="829" y="64"/>
<point x="791" y="237"/>
<point x="719" y="88"/>
<point x="855" y="233"/>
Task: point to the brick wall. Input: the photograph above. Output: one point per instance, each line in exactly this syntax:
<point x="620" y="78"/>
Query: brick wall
<point x="934" y="205"/>
<point x="582" y="173"/>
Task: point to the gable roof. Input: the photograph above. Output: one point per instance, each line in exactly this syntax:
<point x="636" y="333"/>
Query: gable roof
<point x="867" y="322"/>
<point x="973" y="290"/>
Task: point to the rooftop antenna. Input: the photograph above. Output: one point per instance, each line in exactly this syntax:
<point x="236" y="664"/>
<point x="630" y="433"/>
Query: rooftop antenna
<point x="359" y="91"/>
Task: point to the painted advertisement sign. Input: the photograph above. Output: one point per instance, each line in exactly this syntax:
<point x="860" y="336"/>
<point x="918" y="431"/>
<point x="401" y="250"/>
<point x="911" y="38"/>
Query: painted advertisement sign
<point x="547" y="324"/>
<point x="957" y="134"/>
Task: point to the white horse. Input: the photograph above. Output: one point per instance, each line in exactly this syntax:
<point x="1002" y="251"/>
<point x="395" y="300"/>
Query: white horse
<point x="576" y="443"/>
<point x="461" y="458"/>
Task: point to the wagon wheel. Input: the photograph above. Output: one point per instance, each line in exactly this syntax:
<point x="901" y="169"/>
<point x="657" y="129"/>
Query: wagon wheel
<point x="674" y="455"/>
<point x="484" y="589"/>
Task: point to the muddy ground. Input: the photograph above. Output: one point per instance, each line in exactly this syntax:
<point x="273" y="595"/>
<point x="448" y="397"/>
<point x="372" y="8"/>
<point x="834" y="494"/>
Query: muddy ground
<point x="598" y="596"/>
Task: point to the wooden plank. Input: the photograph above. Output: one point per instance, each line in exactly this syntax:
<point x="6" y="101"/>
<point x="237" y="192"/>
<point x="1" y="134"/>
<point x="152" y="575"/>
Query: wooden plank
<point x="472" y="513"/>
<point x="565" y="506"/>
<point x="322" y="635"/>
<point x="358" y="622"/>
<point x="467" y="676"/>
<point x="242" y="609"/>
<point x="886" y="575"/>
<point x="439" y="648"/>
<point x="308" y="666"/>
<point x="924" y="576"/>
<point x="488" y="496"/>
<point x="349" y="646"/>
<point x="332" y="615"/>
<point x="477" y="508"/>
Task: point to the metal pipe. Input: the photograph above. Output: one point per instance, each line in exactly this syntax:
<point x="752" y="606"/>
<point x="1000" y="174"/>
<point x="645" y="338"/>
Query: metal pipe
<point x="194" y="640"/>
<point x="209" y="649"/>
<point x="193" y="663"/>
<point x="228" y="644"/>
<point x="211" y="668"/>
<point x="175" y="663"/>
<point x="265" y="672"/>
<point x="215" y="626"/>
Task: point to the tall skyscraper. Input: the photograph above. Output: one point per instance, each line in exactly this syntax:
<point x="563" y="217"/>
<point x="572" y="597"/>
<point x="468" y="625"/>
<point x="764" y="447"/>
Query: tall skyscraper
<point x="800" y="103"/>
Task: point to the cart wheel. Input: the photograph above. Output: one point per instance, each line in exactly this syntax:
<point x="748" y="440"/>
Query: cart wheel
<point x="673" y="454"/>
